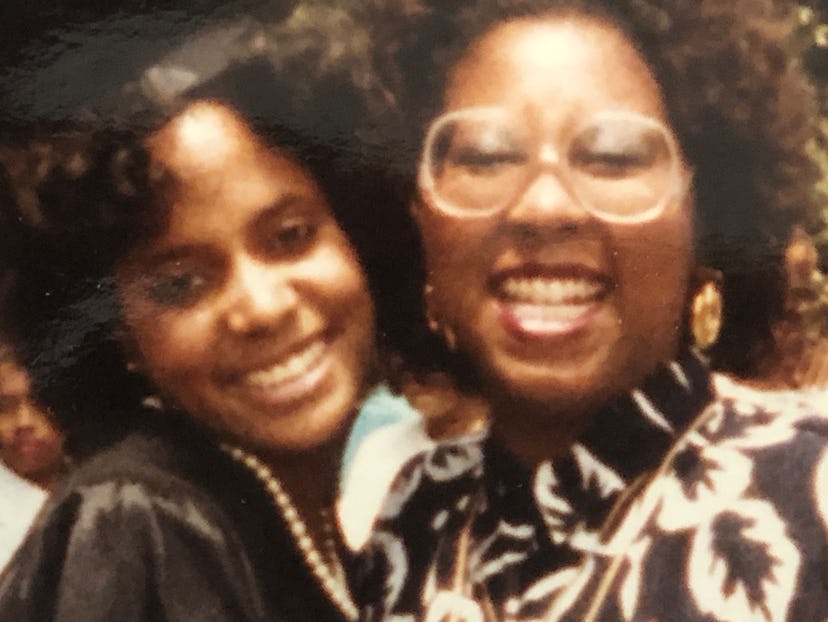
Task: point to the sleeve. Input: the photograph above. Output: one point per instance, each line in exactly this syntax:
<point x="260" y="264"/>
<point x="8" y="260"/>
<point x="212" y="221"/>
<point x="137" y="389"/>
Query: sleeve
<point x="118" y="551"/>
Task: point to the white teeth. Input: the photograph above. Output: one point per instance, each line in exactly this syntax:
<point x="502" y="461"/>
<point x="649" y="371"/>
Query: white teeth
<point x="548" y="291"/>
<point x="294" y="366"/>
<point x="534" y="318"/>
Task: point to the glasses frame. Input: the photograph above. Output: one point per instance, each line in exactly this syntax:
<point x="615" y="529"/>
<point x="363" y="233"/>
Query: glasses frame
<point x="546" y="158"/>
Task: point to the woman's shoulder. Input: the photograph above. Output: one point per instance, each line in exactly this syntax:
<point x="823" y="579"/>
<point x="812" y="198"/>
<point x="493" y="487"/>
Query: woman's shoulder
<point x="741" y="411"/>
<point x="142" y="478"/>
<point x="780" y="401"/>
<point x="747" y="481"/>
<point x="133" y="515"/>
<point x="154" y="460"/>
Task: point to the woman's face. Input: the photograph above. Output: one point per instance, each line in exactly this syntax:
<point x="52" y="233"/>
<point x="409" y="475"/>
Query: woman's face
<point x="251" y="311"/>
<point x="555" y="305"/>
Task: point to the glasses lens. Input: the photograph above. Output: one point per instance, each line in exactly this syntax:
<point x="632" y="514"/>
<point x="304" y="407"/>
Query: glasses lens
<point x="475" y="161"/>
<point x="622" y="167"/>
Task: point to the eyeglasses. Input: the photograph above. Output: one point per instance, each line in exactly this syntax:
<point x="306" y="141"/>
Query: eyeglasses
<point x="620" y="166"/>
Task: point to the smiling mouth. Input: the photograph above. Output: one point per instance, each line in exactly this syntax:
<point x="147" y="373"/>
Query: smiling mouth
<point x="289" y="369"/>
<point x="549" y="303"/>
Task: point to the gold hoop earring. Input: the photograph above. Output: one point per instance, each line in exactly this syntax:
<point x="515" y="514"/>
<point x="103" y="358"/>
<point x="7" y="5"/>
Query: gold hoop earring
<point x="434" y="325"/>
<point x="706" y="310"/>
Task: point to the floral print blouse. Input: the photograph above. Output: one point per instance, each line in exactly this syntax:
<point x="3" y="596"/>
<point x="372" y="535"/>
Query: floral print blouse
<point x="693" y="498"/>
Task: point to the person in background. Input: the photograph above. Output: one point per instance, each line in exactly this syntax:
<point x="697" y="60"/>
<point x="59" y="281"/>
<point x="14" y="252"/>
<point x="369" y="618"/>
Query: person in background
<point x="36" y="452"/>
<point x="31" y="444"/>
<point x="800" y="354"/>
<point x="604" y="192"/>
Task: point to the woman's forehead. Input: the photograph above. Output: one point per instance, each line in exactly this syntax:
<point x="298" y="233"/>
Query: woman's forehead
<point x="204" y="137"/>
<point x="555" y="63"/>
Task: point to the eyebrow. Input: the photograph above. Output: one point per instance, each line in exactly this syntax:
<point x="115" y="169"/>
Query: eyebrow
<point x="283" y="203"/>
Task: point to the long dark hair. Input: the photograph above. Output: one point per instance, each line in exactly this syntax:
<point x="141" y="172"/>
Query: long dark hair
<point x="77" y="196"/>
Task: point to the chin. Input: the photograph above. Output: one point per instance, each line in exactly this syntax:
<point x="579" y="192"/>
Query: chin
<point x="319" y="424"/>
<point x="565" y="381"/>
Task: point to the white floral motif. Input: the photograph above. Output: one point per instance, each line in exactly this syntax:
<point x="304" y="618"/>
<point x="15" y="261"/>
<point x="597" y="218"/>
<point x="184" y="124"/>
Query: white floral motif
<point x="450" y="461"/>
<point x="635" y="519"/>
<point x="439" y="520"/>
<point x="516" y="539"/>
<point x="559" y="590"/>
<point x="742" y="566"/>
<point x="759" y="414"/>
<point x="451" y="606"/>
<point x="678" y="373"/>
<point x="593" y="470"/>
<point x="655" y="416"/>
<point x="394" y="554"/>
<point x="709" y="477"/>
<point x="630" y="590"/>
<point x="553" y="506"/>
<point x="749" y="398"/>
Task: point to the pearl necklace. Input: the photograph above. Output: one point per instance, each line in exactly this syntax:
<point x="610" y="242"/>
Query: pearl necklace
<point x="332" y="582"/>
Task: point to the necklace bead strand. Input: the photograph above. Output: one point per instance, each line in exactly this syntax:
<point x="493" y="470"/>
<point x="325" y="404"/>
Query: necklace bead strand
<point x="335" y="588"/>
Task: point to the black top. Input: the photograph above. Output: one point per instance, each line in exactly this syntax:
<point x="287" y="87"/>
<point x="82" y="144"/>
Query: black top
<point x="161" y="526"/>
<point x="692" y="498"/>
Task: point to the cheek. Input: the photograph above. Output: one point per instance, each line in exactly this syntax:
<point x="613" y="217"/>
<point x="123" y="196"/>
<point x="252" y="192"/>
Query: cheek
<point x="653" y="264"/>
<point x="339" y="282"/>
<point x="171" y="346"/>
<point x="49" y="431"/>
<point x="457" y="255"/>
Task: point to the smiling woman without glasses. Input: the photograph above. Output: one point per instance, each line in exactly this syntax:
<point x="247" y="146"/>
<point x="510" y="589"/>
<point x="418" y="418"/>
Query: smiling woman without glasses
<point x="201" y="268"/>
<point x="592" y="177"/>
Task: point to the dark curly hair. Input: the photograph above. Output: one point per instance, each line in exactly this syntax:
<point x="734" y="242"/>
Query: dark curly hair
<point x="76" y="197"/>
<point x="737" y="99"/>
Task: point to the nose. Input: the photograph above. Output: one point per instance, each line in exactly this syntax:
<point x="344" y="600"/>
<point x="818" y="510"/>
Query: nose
<point x="261" y="298"/>
<point x="548" y="201"/>
<point x="25" y="418"/>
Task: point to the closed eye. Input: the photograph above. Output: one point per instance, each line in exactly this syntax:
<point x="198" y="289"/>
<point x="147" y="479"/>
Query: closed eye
<point x="483" y="162"/>
<point x="290" y="236"/>
<point x="612" y="163"/>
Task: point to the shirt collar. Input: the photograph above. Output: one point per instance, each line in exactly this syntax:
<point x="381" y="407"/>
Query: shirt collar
<point x="627" y="439"/>
<point x="632" y="435"/>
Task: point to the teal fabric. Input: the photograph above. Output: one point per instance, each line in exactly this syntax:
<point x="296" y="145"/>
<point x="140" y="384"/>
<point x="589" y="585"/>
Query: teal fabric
<point x="380" y="409"/>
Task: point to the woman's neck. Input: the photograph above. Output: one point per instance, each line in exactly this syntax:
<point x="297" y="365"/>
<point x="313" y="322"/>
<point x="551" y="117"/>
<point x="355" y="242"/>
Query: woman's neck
<point x="310" y="478"/>
<point x="535" y="432"/>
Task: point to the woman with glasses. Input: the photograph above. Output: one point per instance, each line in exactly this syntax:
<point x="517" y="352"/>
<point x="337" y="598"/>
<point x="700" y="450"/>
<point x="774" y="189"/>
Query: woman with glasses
<point x="604" y="191"/>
